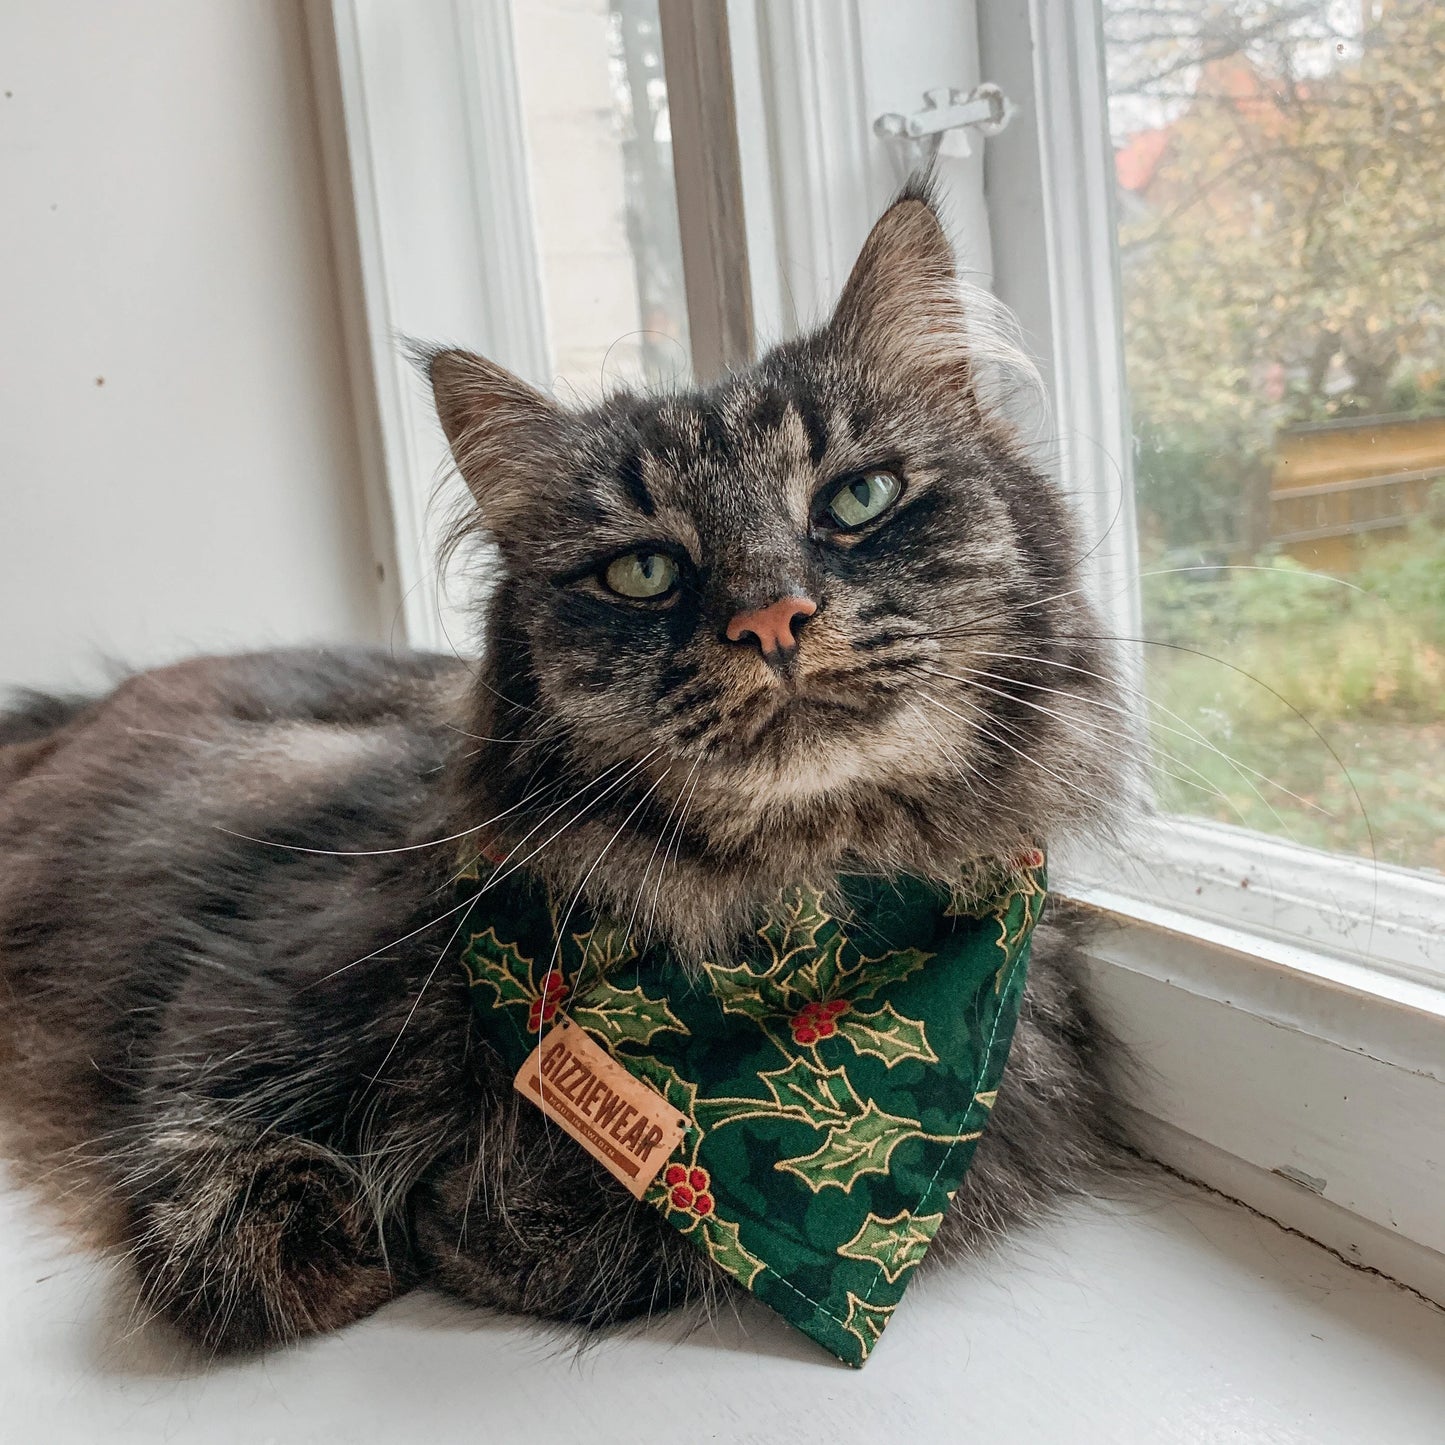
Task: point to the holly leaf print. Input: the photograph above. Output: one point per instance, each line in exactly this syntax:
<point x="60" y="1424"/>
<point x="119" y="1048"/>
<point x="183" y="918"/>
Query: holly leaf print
<point x="680" y="1093"/>
<point x="741" y="991"/>
<point x="802" y="1091"/>
<point x="895" y="1245"/>
<point x="604" y="948"/>
<point x="870" y="975"/>
<point x="821" y="974"/>
<point x="887" y="1035"/>
<point x="821" y="1095"/>
<point x="865" y="1322"/>
<point x="623" y="1016"/>
<point x="791" y="927"/>
<point x="500" y="967"/>
<point x="861" y="1144"/>
<point x="720" y="1239"/>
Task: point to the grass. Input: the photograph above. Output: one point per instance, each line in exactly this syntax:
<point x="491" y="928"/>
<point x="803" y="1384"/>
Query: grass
<point x="1332" y="689"/>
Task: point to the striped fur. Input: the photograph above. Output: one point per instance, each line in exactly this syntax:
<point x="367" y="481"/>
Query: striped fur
<point x="229" y="1048"/>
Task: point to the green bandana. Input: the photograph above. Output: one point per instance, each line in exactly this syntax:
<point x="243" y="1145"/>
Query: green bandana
<point x="832" y="1080"/>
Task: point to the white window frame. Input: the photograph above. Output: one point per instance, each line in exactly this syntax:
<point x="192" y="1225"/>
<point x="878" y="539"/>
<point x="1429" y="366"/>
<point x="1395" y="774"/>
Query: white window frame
<point x="428" y="183"/>
<point x="1285" y="1006"/>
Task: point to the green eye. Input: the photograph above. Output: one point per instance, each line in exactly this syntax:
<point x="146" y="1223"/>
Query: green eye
<point x="860" y="500"/>
<point x="642" y="575"/>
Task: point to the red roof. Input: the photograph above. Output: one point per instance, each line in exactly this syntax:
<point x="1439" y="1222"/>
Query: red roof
<point x="1138" y="158"/>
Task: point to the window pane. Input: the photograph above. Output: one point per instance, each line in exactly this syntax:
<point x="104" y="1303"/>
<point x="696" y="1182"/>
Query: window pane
<point x="594" y="104"/>
<point x="1281" y="182"/>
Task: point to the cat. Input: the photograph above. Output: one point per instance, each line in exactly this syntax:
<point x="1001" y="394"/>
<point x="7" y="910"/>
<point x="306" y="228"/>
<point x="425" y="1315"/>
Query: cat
<point x="822" y="614"/>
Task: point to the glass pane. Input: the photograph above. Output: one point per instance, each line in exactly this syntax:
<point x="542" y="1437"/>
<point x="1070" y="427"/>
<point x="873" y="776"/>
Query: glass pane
<point x="1281" y="182"/>
<point x="594" y="104"/>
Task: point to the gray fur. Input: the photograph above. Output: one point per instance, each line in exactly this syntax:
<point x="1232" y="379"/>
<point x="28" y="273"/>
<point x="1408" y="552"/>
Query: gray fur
<point x="230" y="1043"/>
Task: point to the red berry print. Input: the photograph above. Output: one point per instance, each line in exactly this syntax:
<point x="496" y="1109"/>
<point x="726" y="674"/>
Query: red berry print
<point x="689" y="1189"/>
<point x="816" y="1021"/>
<point x="544" y="1009"/>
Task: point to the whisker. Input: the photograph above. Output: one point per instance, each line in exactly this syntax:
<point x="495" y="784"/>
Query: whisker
<point x="1058" y="777"/>
<point x="373" y="852"/>
<point x="1191" y="733"/>
<point x="662" y="833"/>
<point x="499" y="877"/>
<point x="1205" y="785"/>
<point x="581" y="887"/>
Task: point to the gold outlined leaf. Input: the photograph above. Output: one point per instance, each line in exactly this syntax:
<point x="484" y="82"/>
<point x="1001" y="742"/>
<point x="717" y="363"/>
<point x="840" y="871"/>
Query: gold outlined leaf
<point x="869" y="975"/>
<point x="824" y="970"/>
<point x="803" y="1091"/>
<point x="680" y="1093"/>
<point x="865" y="1321"/>
<point x="813" y="1090"/>
<point x="720" y="1239"/>
<point x="624" y="1016"/>
<point x="741" y="991"/>
<point x="895" y="1245"/>
<point x="604" y="948"/>
<point x="887" y="1035"/>
<point x="862" y="1144"/>
<point x="501" y="967"/>
<point x="791" y="926"/>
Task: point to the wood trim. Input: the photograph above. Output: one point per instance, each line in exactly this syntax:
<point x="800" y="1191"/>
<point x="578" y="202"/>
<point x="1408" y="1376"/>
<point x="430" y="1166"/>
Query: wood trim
<point x="428" y="166"/>
<point x="326" y="82"/>
<point x="1280" y="1196"/>
<point x="1049" y="179"/>
<point x="812" y="76"/>
<point x="707" y="171"/>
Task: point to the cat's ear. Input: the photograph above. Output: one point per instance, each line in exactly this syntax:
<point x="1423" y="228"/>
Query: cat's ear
<point x="901" y="311"/>
<point x="495" y="425"/>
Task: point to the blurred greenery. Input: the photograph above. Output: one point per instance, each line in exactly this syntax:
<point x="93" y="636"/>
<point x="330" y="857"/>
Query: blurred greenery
<point x="1282" y="253"/>
<point x="1278" y="668"/>
<point x="1282" y="184"/>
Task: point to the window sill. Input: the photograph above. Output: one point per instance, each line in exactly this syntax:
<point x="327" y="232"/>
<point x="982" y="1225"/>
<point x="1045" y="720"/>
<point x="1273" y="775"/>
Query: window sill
<point x="1174" y="1317"/>
<point x="1323" y="906"/>
<point x="1291" y="1077"/>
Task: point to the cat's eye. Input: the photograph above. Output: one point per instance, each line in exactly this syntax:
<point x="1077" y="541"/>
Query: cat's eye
<point x="862" y="498"/>
<point x="642" y="575"/>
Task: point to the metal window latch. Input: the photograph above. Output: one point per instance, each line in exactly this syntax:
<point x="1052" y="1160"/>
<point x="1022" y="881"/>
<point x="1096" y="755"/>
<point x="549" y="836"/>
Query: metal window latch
<point x="941" y="127"/>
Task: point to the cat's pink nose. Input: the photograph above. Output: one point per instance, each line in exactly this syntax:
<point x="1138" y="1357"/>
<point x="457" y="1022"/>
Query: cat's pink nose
<point x="774" y="627"/>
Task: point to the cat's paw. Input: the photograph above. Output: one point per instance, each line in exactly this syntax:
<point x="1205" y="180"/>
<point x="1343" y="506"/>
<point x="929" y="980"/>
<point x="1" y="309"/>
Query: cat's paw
<point x="263" y="1247"/>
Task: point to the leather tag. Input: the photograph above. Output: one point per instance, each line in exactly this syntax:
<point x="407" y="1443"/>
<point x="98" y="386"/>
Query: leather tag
<point x="622" y="1122"/>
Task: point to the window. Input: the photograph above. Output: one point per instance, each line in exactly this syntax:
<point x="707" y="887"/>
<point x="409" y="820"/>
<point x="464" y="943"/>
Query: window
<point x="599" y="142"/>
<point x="1280" y="175"/>
<point x="1218" y="224"/>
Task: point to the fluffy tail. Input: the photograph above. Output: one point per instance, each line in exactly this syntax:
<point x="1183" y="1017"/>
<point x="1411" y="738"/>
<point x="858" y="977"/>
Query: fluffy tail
<point x="28" y="726"/>
<point x="35" y="715"/>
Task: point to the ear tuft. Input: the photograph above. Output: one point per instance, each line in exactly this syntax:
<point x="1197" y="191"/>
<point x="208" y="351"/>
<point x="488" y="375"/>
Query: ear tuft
<point x="493" y="421"/>
<point x="900" y="309"/>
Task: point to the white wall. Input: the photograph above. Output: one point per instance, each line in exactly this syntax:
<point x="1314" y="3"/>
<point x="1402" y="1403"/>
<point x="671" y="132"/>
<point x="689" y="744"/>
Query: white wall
<point x="178" y="459"/>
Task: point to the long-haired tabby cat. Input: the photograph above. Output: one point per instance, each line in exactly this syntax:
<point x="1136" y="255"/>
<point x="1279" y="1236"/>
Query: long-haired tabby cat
<point x="823" y="614"/>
